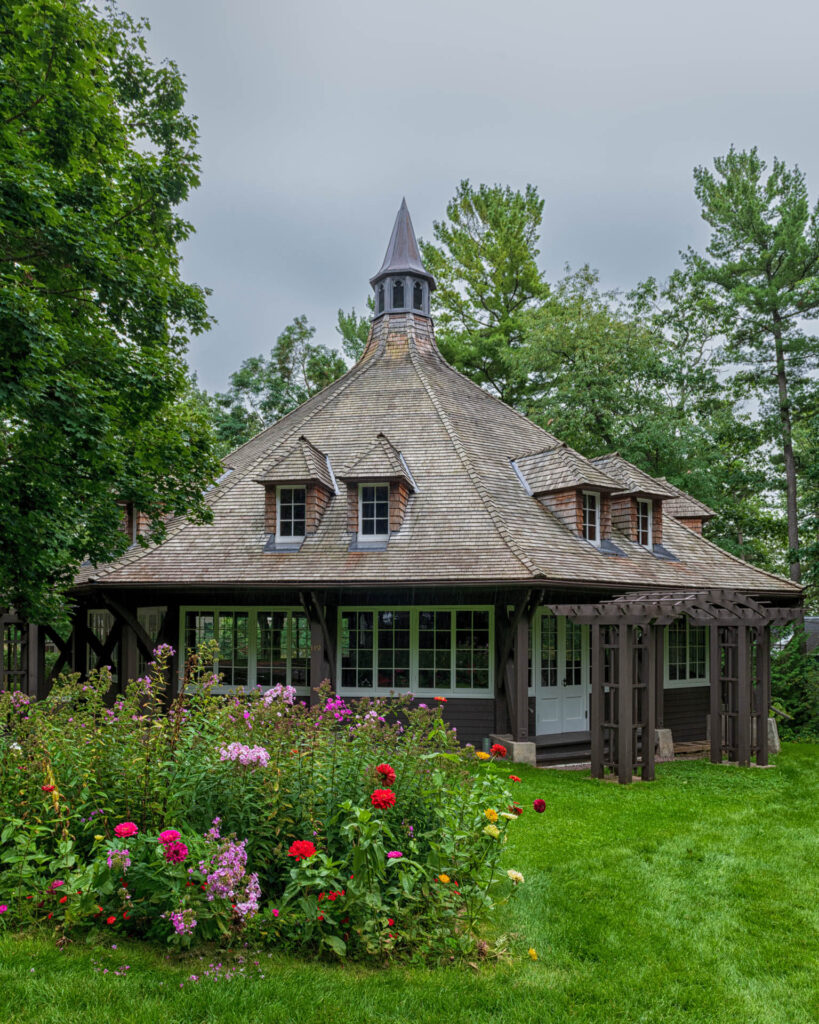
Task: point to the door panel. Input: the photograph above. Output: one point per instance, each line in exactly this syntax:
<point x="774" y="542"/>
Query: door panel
<point x="560" y="675"/>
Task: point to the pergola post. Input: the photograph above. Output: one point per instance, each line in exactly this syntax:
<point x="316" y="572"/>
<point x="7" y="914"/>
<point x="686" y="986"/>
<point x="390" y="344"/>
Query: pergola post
<point x="715" y="679"/>
<point x="625" y="732"/>
<point x="649" y="695"/>
<point x="596" y="703"/>
<point x="763" y="692"/>
<point x="743" y="698"/>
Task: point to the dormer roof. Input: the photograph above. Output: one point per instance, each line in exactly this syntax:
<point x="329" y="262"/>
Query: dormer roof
<point x="382" y="461"/>
<point x="633" y="481"/>
<point x="301" y="463"/>
<point x="683" y="506"/>
<point x="560" y="468"/>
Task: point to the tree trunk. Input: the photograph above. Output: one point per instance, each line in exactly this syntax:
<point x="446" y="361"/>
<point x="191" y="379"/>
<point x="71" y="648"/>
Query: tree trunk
<point x="787" y="448"/>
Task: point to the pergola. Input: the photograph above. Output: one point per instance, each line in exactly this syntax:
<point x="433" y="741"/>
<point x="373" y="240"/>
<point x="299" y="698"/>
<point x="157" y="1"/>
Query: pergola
<point x="627" y="673"/>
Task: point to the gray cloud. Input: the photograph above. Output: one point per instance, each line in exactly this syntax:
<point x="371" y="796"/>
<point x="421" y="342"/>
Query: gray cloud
<point x="317" y="117"/>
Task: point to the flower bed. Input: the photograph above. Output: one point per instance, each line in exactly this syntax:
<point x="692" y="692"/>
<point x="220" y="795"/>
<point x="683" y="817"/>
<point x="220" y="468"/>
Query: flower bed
<point x="353" y="830"/>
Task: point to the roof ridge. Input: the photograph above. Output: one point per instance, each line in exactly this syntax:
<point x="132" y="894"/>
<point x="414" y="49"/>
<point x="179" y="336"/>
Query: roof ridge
<point x="458" y="444"/>
<point x="240" y="474"/>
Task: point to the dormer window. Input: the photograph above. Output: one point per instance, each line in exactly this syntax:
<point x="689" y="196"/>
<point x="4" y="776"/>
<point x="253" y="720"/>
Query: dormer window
<point x="645" y="516"/>
<point x="291" y="513"/>
<point x="374" y="511"/>
<point x="591" y="517"/>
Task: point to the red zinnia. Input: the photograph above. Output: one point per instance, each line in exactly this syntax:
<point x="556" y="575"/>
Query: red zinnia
<point x="514" y="809"/>
<point x="63" y="899"/>
<point x="48" y="789"/>
<point x="301" y="849"/>
<point x="441" y="699"/>
<point x="539" y="805"/>
<point x="514" y="778"/>
<point x="111" y="920"/>
<point x="387" y="773"/>
<point x="498" y="749"/>
<point x="383" y="798"/>
<point x="175" y="852"/>
<point x="125" y="830"/>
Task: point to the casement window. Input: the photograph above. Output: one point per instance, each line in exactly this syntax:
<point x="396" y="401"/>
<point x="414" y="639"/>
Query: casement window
<point x="591" y="516"/>
<point x="686" y="654"/>
<point x="257" y="646"/>
<point x="291" y="513"/>
<point x="373" y="512"/>
<point x="645" y="530"/>
<point x="425" y="650"/>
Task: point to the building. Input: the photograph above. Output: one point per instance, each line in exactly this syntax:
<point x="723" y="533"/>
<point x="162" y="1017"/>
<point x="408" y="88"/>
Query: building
<point x="404" y="530"/>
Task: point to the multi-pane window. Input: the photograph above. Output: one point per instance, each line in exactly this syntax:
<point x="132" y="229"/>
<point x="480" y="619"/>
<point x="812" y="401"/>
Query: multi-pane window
<point x="291" y="516"/>
<point x="257" y="646"/>
<point x="283" y="646"/>
<point x="151" y="620"/>
<point x="574" y="654"/>
<point x="591" y="516"/>
<point x="472" y="649"/>
<point x="644" y="530"/>
<point x="687" y="652"/>
<point x="416" y="648"/>
<point x="374" y="510"/>
<point x="548" y="650"/>
<point x="434" y="649"/>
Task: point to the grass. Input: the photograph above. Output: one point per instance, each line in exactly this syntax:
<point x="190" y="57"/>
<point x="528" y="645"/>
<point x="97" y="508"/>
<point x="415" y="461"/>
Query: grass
<point x="691" y="899"/>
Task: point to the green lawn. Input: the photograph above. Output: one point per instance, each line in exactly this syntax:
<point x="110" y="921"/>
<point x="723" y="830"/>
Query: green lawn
<point x="691" y="899"/>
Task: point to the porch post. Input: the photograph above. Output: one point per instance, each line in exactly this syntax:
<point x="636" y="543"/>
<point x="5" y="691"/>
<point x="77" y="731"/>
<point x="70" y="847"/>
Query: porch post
<point x="763" y="692"/>
<point x="743" y="697"/>
<point x="625" y="734"/>
<point x="658" y="670"/>
<point x="596" y="703"/>
<point x="715" y="680"/>
<point x="649" y="678"/>
<point x="520" y="723"/>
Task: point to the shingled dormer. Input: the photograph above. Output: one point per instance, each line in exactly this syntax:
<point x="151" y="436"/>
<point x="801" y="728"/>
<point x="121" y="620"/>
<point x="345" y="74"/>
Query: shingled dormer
<point x="685" y="509"/>
<point x="379" y="485"/>
<point x="637" y="507"/>
<point x="298" y="488"/>
<point x="574" y="490"/>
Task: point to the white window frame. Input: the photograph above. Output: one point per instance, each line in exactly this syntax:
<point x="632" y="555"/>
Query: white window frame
<point x="371" y="538"/>
<point x="295" y="537"/>
<point x="452" y="691"/>
<point x="598" y="503"/>
<point x="252" y="616"/>
<point x="649" y="506"/>
<point x="684" y="684"/>
<point x="535" y="667"/>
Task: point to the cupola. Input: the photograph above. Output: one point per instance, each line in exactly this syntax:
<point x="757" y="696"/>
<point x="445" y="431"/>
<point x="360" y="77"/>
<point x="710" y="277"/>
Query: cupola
<point x="402" y="285"/>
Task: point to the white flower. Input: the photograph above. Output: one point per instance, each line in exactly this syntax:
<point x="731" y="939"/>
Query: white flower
<point x="515" y="876"/>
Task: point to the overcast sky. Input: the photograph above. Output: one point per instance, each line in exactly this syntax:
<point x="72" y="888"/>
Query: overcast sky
<point x="317" y="117"/>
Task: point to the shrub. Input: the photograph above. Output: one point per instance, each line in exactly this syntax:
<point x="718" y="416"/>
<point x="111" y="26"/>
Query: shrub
<point x="357" y="830"/>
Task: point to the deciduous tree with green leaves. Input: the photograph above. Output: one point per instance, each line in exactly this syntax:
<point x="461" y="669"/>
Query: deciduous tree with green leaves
<point x="761" y="267"/>
<point x="96" y="405"/>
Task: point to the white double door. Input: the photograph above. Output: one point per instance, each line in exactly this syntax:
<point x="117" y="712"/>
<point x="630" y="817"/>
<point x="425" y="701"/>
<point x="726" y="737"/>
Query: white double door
<point x="560" y="675"/>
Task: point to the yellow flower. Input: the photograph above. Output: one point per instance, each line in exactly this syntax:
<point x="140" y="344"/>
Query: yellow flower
<point x="443" y="878"/>
<point x="99" y="838"/>
<point x="481" y="755"/>
<point x="490" y="814"/>
<point x="492" y="830"/>
<point x="516" y="876"/>
<point x="533" y="954"/>
<point x="508" y="816"/>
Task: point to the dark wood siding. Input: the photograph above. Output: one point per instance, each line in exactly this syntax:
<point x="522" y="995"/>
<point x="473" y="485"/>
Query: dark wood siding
<point x="684" y="712"/>
<point x="473" y="718"/>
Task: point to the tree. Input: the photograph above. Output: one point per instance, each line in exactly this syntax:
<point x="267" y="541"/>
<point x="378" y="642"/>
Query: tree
<point x="354" y="331"/>
<point x="95" y="401"/>
<point x="264" y="389"/>
<point x="762" y="269"/>
<point x="485" y="265"/>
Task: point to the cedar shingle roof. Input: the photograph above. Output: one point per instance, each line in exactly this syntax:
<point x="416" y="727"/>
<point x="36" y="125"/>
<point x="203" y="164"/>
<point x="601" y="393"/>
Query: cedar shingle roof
<point x="560" y="468"/>
<point x="302" y="462"/>
<point x="684" y="506"/>
<point x="470" y="520"/>
<point x="632" y="480"/>
<point x="381" y="462"/>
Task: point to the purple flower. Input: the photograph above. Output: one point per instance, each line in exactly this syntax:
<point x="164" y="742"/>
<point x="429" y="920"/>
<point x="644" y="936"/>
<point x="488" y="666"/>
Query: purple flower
<point x="394" y="854"/>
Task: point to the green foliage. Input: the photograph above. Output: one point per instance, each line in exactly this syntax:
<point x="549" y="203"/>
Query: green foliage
<point x="264" y="389"/>
<point x="268" y="770"/>
<point x="98" y="154"/>
<point x="354" y="331"/>
<point x="795" y="686"/>
<point x="485" y="265"/>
